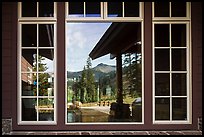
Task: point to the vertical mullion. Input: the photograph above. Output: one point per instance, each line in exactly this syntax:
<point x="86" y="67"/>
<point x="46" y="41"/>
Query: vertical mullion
<point x="84" y="9"/>
<point x="170" y="52"/>
<point x="170" y="9"/>
<point x="37" y="9"/>
<point x="37" y="70"/>
<point x="123" y="9"/>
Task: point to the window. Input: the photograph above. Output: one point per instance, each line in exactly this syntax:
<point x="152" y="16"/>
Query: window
<point x="171" y="71"/>
<point x="37" y="55"/>
<point x="84" y="10"/>
<point x="104" y="10"/>
<point x="171" y="61"/>
<point x="171" y="10"/>
<point x="36" y="9"/>
<point x="87" y="104"/>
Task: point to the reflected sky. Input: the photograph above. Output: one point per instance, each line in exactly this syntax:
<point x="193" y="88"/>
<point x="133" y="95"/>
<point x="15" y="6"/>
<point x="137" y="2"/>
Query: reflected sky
<point x="81" y="39"/>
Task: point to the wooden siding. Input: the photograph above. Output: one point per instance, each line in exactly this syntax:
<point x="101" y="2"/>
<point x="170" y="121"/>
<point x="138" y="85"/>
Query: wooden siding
<point x="7" y="57"/>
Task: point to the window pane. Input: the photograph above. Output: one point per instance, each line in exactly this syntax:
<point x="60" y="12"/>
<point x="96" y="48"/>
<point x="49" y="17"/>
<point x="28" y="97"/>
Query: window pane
<point x="29" y="35"/>
<point x="161" y="9"/>
<point x="46" y="35"/>
<point x="28" y="60"/>
<point x="76" y="9"/>
<point x="162" y="108"/>
<point x="178" y="35"/>
<point x="161" y="35"/>
<point x="29" y="9"/>
<point x="28" y="81"/>
<point x="179" y="59"/>
<point x="131" y="9"/>
<point x="46" y="60"/>
<point x="114" y="9"/>
<point x="93" y="9"/>
<point x="179" y="109"/>
<point x="161" y="59"/>
<point x="162" y="82"/>
<point x="179" y="84"/>
<point x="46" y="84"/>
<point x="28" y="109"/>
<point x="46" y="9"/>
<point x="178" y="9"/>
<point x="46" y="115"/>
<point x="46" y="103"/>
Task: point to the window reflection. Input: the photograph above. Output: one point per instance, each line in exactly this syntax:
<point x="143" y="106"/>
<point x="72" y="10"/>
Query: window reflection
<point x="29" y="9"/>
<point x="29" y="35"/>
<point x="46" y="9"/>
<point x="45" y="84"/>
<point x="76" y="9"/>
<point x="28" y="60"/>
<point x="114" y="9"/>
<point x="46" y="35"/>
<point x="46" y="60"/>
<point x="28" y="84"/>
<point x="29" y="112"/>
<point x="162" y="109"/>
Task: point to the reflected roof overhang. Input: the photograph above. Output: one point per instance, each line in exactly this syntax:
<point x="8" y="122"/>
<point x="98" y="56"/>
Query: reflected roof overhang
<point x="120" y="37"/>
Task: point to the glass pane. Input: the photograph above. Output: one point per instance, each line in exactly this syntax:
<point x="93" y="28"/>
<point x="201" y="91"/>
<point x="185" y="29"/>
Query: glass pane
<point x="179" y="84"/>
<point x="114" y="9"/>
<point x="46" y="9"/>
<point x="45" y="103"/>
<point x="92" y="91"/>
<point x="132" y="82"/>
<point x="179" y="109"/>
<point x="162" y="59"/>
<point x="46" y="115"/>
<point x="161" y="35"/>
<point x="46" y="84"/>
<point x="29" y="9"/>
<point x="178" y="9"/>
<point x="46" y="35"/>
<point x="178" y="35"/>
<point x="161" y="9"/>
<point x="131" y="9"/>
<point x="162" y="109"/>
<point x="28" y="81"/>
<point x="76" y="9"/>
<point x="29" y="35"/>
<point x="179" y="59"/>
<point x="162" y="82"/>
<point x="28" y="109"/>
<point x="28" y="60"/>
<point x="46" y="60"/>
<point x="93" y="9"/>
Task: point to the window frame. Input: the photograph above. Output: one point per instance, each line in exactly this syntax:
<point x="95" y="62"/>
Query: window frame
<point x="37" y="21"/>
<point x="107" y="19"/>
<point x="170" y="72"/>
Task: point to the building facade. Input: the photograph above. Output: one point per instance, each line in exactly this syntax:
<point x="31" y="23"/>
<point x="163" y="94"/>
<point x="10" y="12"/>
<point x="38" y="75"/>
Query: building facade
<point x="35" y="33"/>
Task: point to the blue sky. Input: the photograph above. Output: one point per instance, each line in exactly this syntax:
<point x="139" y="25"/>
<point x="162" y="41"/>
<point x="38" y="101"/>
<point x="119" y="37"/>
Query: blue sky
<point x="81" y="39"/>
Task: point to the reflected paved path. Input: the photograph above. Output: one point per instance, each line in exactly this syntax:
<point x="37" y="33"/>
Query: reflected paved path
<point x="104" y="109"/>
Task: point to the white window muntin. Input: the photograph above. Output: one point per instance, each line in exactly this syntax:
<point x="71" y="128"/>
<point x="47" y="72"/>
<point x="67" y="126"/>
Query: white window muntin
<point x="19" y="96"/>
<point x="188" y="14"/>
<point x="37" y="18"/>
<point x="187" y="72"/>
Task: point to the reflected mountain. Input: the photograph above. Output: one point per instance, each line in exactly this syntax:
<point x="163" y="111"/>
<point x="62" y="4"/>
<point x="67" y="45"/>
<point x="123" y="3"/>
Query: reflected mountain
<point x="99" y="71"/>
